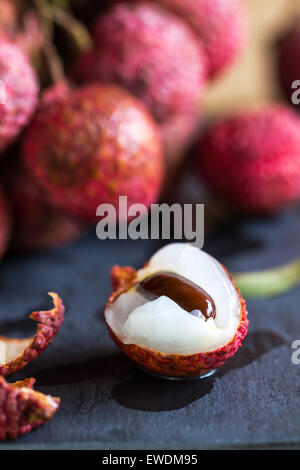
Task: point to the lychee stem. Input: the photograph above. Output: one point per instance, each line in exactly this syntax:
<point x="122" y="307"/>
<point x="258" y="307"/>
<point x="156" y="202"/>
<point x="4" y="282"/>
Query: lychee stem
<point x="75" y="29"/>
<point x="269" y="282"/>
<point x="54" y="62"/>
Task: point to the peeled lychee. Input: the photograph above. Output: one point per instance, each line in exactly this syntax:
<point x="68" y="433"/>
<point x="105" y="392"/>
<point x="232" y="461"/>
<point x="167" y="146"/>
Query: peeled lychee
<point x="179" y="316"/>
<point x="252" y="159"/>
<point x="156" y="56"/>
<point x="18" y="92"/>
<point x="289" y="62"/>
<point x="97" y="144"/>
<point x="5" y="224"/>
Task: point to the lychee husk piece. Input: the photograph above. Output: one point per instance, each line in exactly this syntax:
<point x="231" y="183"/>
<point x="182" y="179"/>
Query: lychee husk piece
<point x="15" y="354"/>
<point x="173" y="365"/>
<point x="22" y="409"/>
<point x="269" y="282"/>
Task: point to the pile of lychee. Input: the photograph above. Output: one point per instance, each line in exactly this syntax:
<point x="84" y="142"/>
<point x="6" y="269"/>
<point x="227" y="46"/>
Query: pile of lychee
<point x="122" y="120"/>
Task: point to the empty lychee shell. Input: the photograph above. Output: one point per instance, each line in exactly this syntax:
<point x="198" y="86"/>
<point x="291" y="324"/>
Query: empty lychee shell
<point x="156" y="318"/>
<point x="22" y="409"/>
<point x="15" y="354"/>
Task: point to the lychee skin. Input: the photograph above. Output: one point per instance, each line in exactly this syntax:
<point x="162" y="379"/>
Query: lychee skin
<point x="22" y="409"/>
<point x="252" y="159"/>
<point x="96" y="145"/>
<point x="5" y="224"/>
<point x="18" y="95"/>
<point x="221" y="27"/>
<point x="174" y="365"/>
<point x="289" y="61"/>
<point x="156" y="56"/>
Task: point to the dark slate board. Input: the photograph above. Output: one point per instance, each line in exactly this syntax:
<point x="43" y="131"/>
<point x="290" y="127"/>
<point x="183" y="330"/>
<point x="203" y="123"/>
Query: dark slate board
<point x="254" y="400"/>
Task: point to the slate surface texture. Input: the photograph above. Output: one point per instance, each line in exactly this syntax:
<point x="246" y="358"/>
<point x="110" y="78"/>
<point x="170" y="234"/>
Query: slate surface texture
<point x="253" y="401"/>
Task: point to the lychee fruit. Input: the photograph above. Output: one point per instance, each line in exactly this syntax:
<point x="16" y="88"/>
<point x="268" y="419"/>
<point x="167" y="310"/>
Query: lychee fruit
<point x="95" y="145"/>
<point x="252" y="159"/>
<point x="5" y="224"/>
<point x="18" y="92"/>
<point x="180" y="316"/>
<point x="289" y="61"/>
<point x="221" y="27"/>
<point x="37" y="224"/>
<point x="156" y="56"/>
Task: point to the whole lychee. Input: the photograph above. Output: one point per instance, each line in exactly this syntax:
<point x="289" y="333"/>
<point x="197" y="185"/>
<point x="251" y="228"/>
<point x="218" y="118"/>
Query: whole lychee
<point x="220" y="25"/>
<point x="156" y="56"/>
<point x="289" y="61"/>
<point x="97" y="144"/>
<point x="18" y="92"/>
<point x="37" y="224"/>
<point x="179" y="316"/>
<point x="252" y="159"/>
<point x="5" y="224"/>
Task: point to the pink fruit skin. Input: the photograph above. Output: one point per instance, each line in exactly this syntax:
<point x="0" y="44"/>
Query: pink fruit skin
<point x="5" y="225"/>
<point x="221" y="26"/>
<point x="49" y="324"/>
<point x="94" y="146"/>
<point x="22" y="409"/>
<point x="19" y="92"/>
<point x="156" y="56"/>
<point x="252" y="160"/>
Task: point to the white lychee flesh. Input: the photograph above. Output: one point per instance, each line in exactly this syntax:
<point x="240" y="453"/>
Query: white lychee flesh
<point x="161" y="324"/>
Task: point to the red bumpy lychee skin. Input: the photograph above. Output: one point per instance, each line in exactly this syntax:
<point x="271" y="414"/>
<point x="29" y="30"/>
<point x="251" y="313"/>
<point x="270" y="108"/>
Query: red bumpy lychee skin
<point x="37" y="225"/>
<point x="156" y="56"/>
<point x="289" y="61"/>
<point x="22" y="409"/>
<point x="94" y="146"/>
<point x="220" y="25"/>
<point x="18" y="94"/>
<point x="252" y="160"/>
<point x="5" y="224"/>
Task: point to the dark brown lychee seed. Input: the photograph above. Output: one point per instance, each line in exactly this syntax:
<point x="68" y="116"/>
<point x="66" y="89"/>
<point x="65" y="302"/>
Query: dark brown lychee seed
<point x="184" y="292"/>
